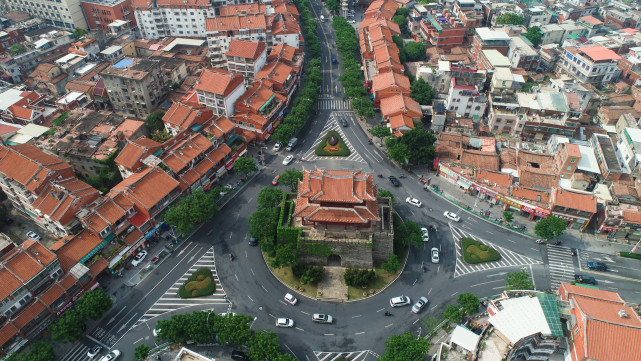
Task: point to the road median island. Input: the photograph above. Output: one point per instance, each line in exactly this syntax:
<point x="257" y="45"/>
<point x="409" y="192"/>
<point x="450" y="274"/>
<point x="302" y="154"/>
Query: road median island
<point x="475" y="252"/>
<point x="332" y="145"/>
<point x="199" y="284"/>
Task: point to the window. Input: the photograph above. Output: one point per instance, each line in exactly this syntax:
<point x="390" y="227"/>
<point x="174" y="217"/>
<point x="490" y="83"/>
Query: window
<point x="572" y="160"/>
<point x="569" y="167"/>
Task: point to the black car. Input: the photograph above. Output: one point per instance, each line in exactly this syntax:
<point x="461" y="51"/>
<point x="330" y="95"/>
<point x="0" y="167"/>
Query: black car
<point x="238" y="355"/>
<point x="394" y="181"/>
<point x="252" y="241"/>
<point x="344" y="122"/>
<point x="585" y="279"/>
<point x="597" y="266"/>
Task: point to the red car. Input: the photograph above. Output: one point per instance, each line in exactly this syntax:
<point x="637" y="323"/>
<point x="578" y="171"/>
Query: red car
<point x="275" y="180"/>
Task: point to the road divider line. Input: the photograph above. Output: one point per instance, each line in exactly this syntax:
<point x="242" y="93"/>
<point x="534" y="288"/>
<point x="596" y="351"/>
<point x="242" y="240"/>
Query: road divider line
<point x="360" y="333"/>
<point x="389" y="325"/>
<point x="300" y="329"/>
<point x="305" y="313"/>
<point x="328" y="334"/>
<point x="356" y="316"/>
<point x="380" y="310"/>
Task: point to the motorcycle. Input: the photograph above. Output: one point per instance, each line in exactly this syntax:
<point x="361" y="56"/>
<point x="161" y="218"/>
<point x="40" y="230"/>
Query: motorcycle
<point x="369" y="141"/>
<point x="558" y="243"/>
<point x="231" y="257"/>
<point x="380" y="176"/>
<point x="402" y="176"/>
<point x="540" y="241"/>
<point x="388" y="313"/>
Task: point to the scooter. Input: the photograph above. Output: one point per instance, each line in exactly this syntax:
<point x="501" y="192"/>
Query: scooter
<point x="369" y="141"/>
<point x="388" y="313"/>
<point x="540" y="241"/>
<point x="380" y="176"/>
<point x="401" y="176"/>
<point x="231" y="257"/>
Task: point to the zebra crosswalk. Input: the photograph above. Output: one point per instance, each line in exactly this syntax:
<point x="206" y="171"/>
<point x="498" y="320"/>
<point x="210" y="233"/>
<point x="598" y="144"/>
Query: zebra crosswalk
<point x="333" y="104"/>
<point x="332" y="124"/>
<point x="560" y="265"/>
<point x="365" y="355"/>
<point x="509" y="258"/>
<point x="78" y="353"/>
<point x="170" y="301"/>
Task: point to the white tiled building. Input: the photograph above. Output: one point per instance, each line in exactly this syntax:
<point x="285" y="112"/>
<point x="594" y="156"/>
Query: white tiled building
<point x="65" y="14"/>
<point x="179" y="18"/>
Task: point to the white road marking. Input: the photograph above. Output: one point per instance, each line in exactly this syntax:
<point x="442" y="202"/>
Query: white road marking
<point x="300" y="329"/>
<point x="414" y="323"/>
<point x="389" y="325"/>
<point x="454" y="294"/>
<point x="380" y="310"/>
<point x="250" y="298"/>
<point x="428" y="292"/>
<point x="328" y="334"/>
<point x="305" y="313"/>
<point x="356" y="316"/>
<point x="359" y="333"/>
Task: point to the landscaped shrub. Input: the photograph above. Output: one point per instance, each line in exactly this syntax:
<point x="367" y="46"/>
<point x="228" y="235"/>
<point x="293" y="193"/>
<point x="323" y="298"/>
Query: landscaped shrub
<point x="477" y="252"/>
<point x="359" y="277"/>
<point x="199" y="284"/>
<point x="307" y="273"/>
<point x="630" y="255"/>
<point x="339" y="150"/>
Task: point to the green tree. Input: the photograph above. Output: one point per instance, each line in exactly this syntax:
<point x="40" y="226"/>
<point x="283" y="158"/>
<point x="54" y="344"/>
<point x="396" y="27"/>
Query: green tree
<point x="534" y="35"/>
<point x="453" y="314"/>
<point x="548" y="228"/>
<point x="93" y="304"/>
<point x="39" y="351"/>
<point x="160" y="136"/>
<point x="16" y="49"/>
<point x="233" y="329"/>
<point x="415" y="51"/>
<point x="141" y="352"/>
<point x="400" y="20"/>
<point x="263" y="345"/>
<point x="403" y="12"/>
<point x="245" y="165"/>
<point x="381" y="131"/>
<point x="431" y="323"/>
<point x="363" y="106"/>
<point x="397" y="151"/>
<point x="358" y="277"/>
<point x="195" y="208"/>
<point x="286" y="255"/>
<point x="269" y="197"/>
<point x="414" y="147"/>
<point x="290" y="178"/>
<point x="519" y="280"/>
<point x="284" y="132"/>
<point x="412" y="234"/>
<point x="508" y="216"/>
<point x="154" y="121"/>
<point x="422" y="91"/>
<point x="509" y="19"/>
<point x="175" y="85"/>
<point x="78" y="33"/>
<point x="262" y="226"/>
<point x="469" y="303"/>
<point x="67" y="328"/>
<point x="333" y="5"/>
<point x="405" y="347"/>
<point x="386" y="193"/>
<point x="392" y="265"/>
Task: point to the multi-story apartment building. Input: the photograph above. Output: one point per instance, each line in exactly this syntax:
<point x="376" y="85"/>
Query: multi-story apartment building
<point x="101" y="13"/>
<point x="444" y="32"/>
<point x="465" y="99"/>
<point x="486" y="39"/>
<point x="219" y="89"/>
<point x="246" y="58"/>
<point x="180" y="18"/>
<point x="629" y="150"/>
<point x="9" y="37"/>
<point x="589" y="64"/>
<point x="129" y="160"/>
<point x="61" y="13"/>
<point x="221" y="30"/>
<point x="258" y="110"/>
<point x="522" y="55"/>
<point x="136" y="86"/>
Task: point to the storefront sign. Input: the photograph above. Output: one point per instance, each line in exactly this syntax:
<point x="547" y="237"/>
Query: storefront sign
<point x="511" y="202"/>
<point x="609" y="229"/>
<point x="536" y="211"/>
<point x="487" y="192"/>
<point x="448" y="172"/>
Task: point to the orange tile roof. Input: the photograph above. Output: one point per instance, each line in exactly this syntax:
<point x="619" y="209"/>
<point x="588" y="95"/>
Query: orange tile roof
<point x="147" y="187"/>
<point x="135" y="151"/>
<point x="7" y="331"/>
<point x="8" y="283"/>
<point x="573" y="150"/>
<point x="400" y="121"/>
<point x="75" y="249"/>
<point x="68" y="281"/>
<point x="494" y="178"/>
<point x="277" y="72"/>
<point x="236" y="23"/>
<point x="257" y="96"/>
<point x="282" y="52"/>
<point x="23" y="266"/>
<point x="29" y="166"/>
<point x="218" y="81"/>
<point x="380" y="21"/>
<point x="236" y="10"/>
<point x="185" y="152"/>
<point x="324" y="194"/>
<point x="246" y="49"/>
<point x="574" y="200"/>
<point x="183" y="116"/>
<point x="598" y="53"/>
<point x="129" y="127"/>
<point x="387" y="57"/>
<point x="400" y="104"/>
<point x="390" y="79"/>
<point x="29" y="313"/>
<point x="534" y="195"/>
<point x="536" y="180"/>
<point x="592" y="20"/>
<point x="52" y="294"/>
<point x="98" y="267"/>
<point x="133" y="237"/>
<point x="481" y="160"/>
<point x="61" y="201"/>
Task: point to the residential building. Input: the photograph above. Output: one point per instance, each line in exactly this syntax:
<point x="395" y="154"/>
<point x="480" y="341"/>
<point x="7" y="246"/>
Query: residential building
<point x="576" y="207"/>
<point x="136" y="86"/>
<point x="486" y="39"/>
<point x="65" y="14"/>
<point x="101" y="13"/>
<point x="388" y="84"/>
<point x="607" y="158"/>
<point x="219" y="89"/>
<point x="21" y="107"/>
<point x="9" y="37"/>
<point x="591" y="24"/>
<point x="222" y="29"/>
<point x="184" y="116"/>
<point x="281" y="78"/>
<point x="160" y="18"/>
<point x="74" y="100"/>
<point x="535" y="15"/>
<point x="629" y="150"/>
<point x="522" y="55"/>
<point x="444" y="32"/>
<point x="603" y="326"/>
<point x="619" y="19"/>
<point x="566" y="160"/>
<point x="469" y="12"/>
<point x="491" y="59"/>
<point x="589" y="64"/>
<point x="246" y="58"/>
<point x="400" y="112"/>
<point x="48" y="78"/>
<point x="342" y="210"/>
<point x="465" y="99"/>
<point x="259" y="110"/>
<point x="130" y="159"/>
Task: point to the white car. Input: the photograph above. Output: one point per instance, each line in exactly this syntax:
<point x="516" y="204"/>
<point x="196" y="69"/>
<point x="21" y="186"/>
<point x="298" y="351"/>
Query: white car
<point x="291" y="299"/>
<point x="277" y="147"/>
<point x="435" y="258"/>
<point x="288" y="159"/>
<point x="418" y="306"/>
<point x="452" y="216"/>
<point x="284" y="322"/>
<point x="400" y="301"/>
<point x="413" y="201"/>
<point x="33" y="235"/>
<point x="111" y="356"/>
<point x="426" y="234"/>
<point x="139" y="258"/>
<point x="156" y="332"/>
<point x="322" y="318"/>
<point x="95" y="350"/>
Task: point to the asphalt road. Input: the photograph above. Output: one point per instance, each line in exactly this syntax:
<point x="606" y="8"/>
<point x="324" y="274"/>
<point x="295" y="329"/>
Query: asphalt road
<point x="358" y="325"/>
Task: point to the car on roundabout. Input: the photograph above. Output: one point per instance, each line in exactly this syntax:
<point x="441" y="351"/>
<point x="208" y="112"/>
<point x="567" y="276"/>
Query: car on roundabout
<point x="434" y="254"/>
<point x="418" y="306"/>
<point x="322" y="318"/>
<point x="291" y="299"/>
<point x="284" y="322"/>
<point x="275" y="180"/>
<point x="277" y="147"/>
<point x="288" y="159"/>
<point x="413" y="201"/>
<point x="426" y="234"/>
<point x="452" y="216"/>
<point x="400" y="301"/>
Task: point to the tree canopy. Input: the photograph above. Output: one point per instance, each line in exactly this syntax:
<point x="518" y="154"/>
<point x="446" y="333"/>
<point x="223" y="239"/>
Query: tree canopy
<point x="453" y="313"/>
<point x="508" y="216"/>
<point x="548" y="228"/>
<point x="245" y="165"/>
<point x="414" y="147"/>
<point x="93" y="304"/>
<point x="333" y="5"/>
<point x="415" y="51"/>
<point x="78" y="33"/>
<point x="154" y="121"/>
<point x="469" y="303"/>
<point x="405" y="347"/>
<point x="381" y="131"/>
<point x="385" y="193"/>
<point x="141" y="352"/>
<point x="290" y="178"/>
<point x="410" y="233"/>
<point x="195" y="208"/>
<point x="509" y="19"/>
<point x="39" y="351"/>
<point x="422" y="91"/>
<point x="269" y="197"/>
<point x="519" y="280"/>
<point x="534" y="35"/>
<point x="16" y="49"/>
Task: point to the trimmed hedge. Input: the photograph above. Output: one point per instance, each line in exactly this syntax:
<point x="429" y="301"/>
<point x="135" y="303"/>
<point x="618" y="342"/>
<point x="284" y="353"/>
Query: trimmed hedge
<point x="200" y="283"/>
<point x="630" y="255"/>
<point x="320" y="149"/>
<point x="476" y="252"/>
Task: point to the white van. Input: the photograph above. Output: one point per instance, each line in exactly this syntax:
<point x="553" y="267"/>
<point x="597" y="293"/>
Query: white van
<point x="322" y="19"/>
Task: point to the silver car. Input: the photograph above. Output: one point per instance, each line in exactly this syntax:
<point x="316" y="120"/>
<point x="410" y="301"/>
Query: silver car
<point x="322" y="318"/>
<point x="435" y="258"/>
<point x="400" y="301"/>
<point x="284" y="322"/>
<point x="418" y="306"/>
